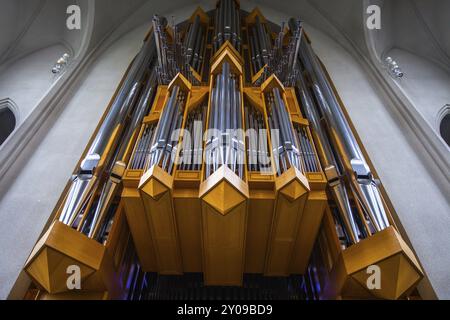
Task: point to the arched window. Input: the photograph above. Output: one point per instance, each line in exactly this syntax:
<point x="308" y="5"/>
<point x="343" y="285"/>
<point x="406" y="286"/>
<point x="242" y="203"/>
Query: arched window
<point x="7" y="120"/>
<point x="444" y="128"/>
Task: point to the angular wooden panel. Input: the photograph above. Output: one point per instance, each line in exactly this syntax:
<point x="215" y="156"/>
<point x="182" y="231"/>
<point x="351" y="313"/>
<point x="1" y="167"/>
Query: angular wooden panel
<point x="224" y="245"/>
<point x="292" y="193"/>
<point x="140" y="229"/>
<point x="259" y="223"/>
<point x="155" y="190"/>
<point x="224" y="217"/>
<point x="60" y="247"/>
<point x="224" y="197"/>
<point x="399" y="269"/>
<point x="292" y="103"/>
<point x="204" y="18"/>
<point x="256" y="12"/>
<point x="188" y="212"/>
<point x="308" y="230"/>
<point x="229" y="54"/>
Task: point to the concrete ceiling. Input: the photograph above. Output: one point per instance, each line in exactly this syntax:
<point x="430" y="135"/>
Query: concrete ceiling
<point x="414" y="25"/>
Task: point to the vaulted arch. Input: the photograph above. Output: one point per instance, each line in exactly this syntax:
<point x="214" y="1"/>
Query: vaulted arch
<point x="8" y="119"/>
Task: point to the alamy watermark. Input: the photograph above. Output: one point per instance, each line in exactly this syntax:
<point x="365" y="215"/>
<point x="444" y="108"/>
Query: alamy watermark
<point x="374" y="19"/>
<point x="73" y="21"/>
<point x="373" y="282"/>
<point x="73" y="281"/>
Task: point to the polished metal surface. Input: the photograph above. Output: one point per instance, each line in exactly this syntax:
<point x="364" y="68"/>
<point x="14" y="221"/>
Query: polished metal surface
<point x="173" y="56"/>
<point x="192" y="146"/>
<point x="227" y="24"/>
<point x="164" y="145"/>
<point x="258" y="157"/>
<point x="85" y="181"/>
<point x="285" y="146"/>
<point x="225" y="137"/>
<point x="260" y="44"/>
<point x="342" y="152"/>
<point x="330" y="163"/>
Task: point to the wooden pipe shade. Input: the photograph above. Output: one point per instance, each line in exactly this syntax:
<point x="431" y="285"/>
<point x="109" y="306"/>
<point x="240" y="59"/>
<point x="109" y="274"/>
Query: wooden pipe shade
<point x="399" y="269"/>
<point x="224" y="216"/>
<point x="156" y="192"/>
<point x="62" y="246"/>
<point x="310" y="223"/>
<point x="291" y="195"/>
<point x="59" y="248"/>
<point x="140" y="230"/>
<point x="223" y="226"/>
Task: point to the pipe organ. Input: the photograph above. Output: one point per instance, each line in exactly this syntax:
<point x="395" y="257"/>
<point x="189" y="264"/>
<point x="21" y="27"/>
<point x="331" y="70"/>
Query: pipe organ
<point x="225" y="155"/>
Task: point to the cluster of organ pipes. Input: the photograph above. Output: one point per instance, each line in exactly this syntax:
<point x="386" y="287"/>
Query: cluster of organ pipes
<point x="225" y="141"/>
<point x="284" y="142"/>
<point x="143" y="147"/>
<point x="258" y="157"/>
<point x="260" y="45"/>
<point x="173" y="58"/>
<point x="90" y="198"/>
<point x="281" y="61"/>
<point x="227" y="24"/>
<point x="164" y="149"/>
<point x="195" y="44"/>
<point x="307" y="152"/>
<point x="343" y="161"/>
<point x="192" y="146"/>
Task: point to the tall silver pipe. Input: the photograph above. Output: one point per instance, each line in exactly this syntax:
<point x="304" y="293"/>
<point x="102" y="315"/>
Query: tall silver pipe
<point x="280" y="118"/>
<point x="224" y="142"/>
<point x="361" y="178"/>
<point x="330" y="164"/>
<point x="163" y="128"/>
<point x="227" y="25"/>
<point x="84" y="180"/>
<point x="117" y="164"/>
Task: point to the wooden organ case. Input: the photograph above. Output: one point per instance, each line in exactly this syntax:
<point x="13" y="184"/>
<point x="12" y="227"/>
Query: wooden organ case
<point x="165" y="197"/>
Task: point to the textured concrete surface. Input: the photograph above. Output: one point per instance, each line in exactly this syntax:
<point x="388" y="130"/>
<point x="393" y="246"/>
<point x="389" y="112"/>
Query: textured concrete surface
<point x="425" y="82"/>
<point x="26" y="80"/>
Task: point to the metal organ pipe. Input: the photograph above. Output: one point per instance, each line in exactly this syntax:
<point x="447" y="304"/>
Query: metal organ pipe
<point x="281" y="61"/>
<point x="361" y="178"/>
<point x="194" y="43"/>
<point x="191" y="153"/>
<point x="225" y="144"/>
<point x="257" y="142"/>
<point x="288" y="152"/>
<point x="173" y="57"/>
<point x="350" y="155"/>
<point x="85" y="180"/>
<point x="118" y="165"/>
<point x="330" y="163"/>
<point x="297" y="34"/>
<point x="143" y="147"/>
<point x="227" y="24"/>
<point x="260" y="45"/>
<point x="306" y="150"/>
<point x="164" y="145"/>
